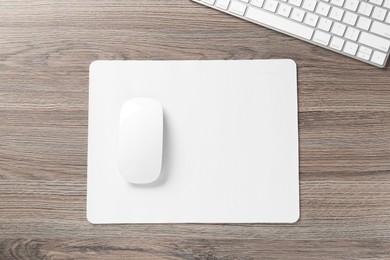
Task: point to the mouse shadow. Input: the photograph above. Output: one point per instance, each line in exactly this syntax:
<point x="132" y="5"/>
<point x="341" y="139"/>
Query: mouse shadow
<point x="166" y="160"/>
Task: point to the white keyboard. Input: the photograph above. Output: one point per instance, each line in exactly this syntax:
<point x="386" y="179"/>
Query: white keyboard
<point x="356" y="28"/>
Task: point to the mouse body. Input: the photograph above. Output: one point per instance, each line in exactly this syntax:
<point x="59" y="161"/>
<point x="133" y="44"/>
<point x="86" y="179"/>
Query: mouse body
<point x="140" y="140"/>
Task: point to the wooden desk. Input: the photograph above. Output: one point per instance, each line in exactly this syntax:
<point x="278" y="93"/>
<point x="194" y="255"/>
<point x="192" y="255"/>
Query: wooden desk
<point x="45" y="50"/>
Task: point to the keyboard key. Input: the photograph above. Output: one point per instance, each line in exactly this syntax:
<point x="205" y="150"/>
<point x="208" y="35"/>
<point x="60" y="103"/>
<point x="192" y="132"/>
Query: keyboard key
<point x="379" y="13"/>
<point x="350" y="18"/>
<point x="258" y="3"/>
<point x="245" y="1"/>
<point x="295" y="2"/>
<point x="365" y="8"/>
<point x="325" y="24"/>
<point x="352" y="33"/>
<point x="338" y="29"/>
<point x="381" y="29"/>
<point x="309" y="5"/>
<point x="337" y="43"/>
<point x="363" y="23"/>
<point x="336" y="13"/>
<point x="223" y="4"/>
<point x="297" y="14"/>
<point x="337" y="2"/>
<point x="271" y="5"/>
<point x="377" y="2"/>
<point x="364" y="53"/>
<point x="321" y="37"/>
<point x="387" y="4"/>
<point x="210" y="2"/>
<point x="311" y="19"/>
<point x="237" y="7"/>
<point x="374" y="41"/>
<point x="350" y="48"/>
<point x="351" y="5"/>
<point x="365" y="50"/>
<point x="284" y="10"/>
<point x="322" y="9"/>
<point x="378" y="57"/>
<point x="278" y="22"/>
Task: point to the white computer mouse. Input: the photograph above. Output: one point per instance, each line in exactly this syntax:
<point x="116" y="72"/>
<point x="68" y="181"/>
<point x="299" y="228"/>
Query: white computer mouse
<point x="140" y="140"/>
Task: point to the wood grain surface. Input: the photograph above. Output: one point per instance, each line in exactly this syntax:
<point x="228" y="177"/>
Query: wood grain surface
<point x="46" y="47"/>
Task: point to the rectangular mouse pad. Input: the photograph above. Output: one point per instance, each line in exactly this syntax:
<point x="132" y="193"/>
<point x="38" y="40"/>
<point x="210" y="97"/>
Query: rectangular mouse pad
<point x="230" y="149"/>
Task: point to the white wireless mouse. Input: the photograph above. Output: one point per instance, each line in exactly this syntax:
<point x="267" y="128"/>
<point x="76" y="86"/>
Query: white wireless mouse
<point x="140" y="140"/>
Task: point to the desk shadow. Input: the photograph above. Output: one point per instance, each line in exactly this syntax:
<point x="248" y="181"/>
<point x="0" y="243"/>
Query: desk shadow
<point x="166" y="160"/>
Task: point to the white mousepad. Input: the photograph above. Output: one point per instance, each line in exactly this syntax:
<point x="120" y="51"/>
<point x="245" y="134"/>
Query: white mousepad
<point x="230" y="142"/>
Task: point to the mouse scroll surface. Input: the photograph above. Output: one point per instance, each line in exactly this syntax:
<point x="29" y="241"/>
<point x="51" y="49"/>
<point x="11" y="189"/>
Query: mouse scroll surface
<point x="140" y="140"/>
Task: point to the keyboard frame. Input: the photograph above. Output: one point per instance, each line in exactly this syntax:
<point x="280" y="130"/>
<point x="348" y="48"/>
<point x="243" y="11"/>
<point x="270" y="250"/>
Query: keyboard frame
<point x="295" y="36"/>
